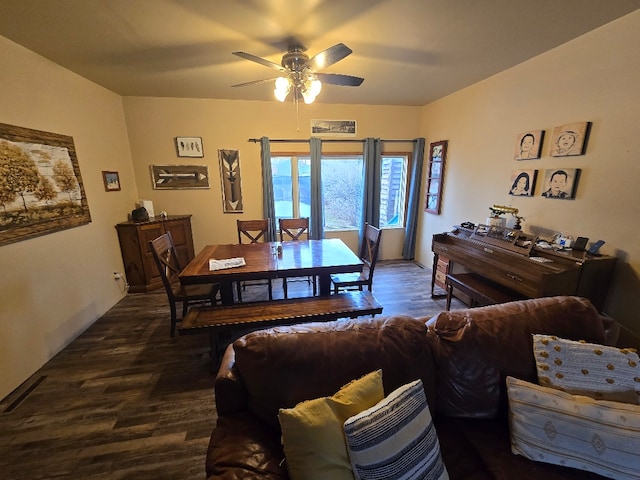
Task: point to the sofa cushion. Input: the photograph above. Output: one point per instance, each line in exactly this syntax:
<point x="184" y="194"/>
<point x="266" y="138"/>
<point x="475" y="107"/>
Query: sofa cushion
<point x="475" y="349"/>
<point x="581" y="368"/>
<point x="312" y="432"/>
<point x="395" y="438"/>
<point x="283" y="366"/>
<point x="552" y="426"/>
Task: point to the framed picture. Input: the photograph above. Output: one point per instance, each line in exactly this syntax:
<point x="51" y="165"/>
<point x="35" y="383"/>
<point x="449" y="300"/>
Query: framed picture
<point x="189" y="147"/>
<point x="41" y="189"/>
<point x="333" y="128"/>
<point x="111" y="181"/>
<point x="435" y="176"/>
<point x="570" y="139"/>
<point x="179" y="177"/>
<point x="231" y="181"/>
<point x="523" y="183"/>
<point x="528" y="145"/>
<point x="561" y="183"/>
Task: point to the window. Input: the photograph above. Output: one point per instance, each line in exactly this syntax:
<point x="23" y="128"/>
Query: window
<point x="342" y="192"/>
<point x="291" y="186"/>
<point x="393" y="190"/>
<point x="342" y="188"/>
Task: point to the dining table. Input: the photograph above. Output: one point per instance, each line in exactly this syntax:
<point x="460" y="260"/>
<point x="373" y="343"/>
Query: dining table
<point x="271" y="260"/>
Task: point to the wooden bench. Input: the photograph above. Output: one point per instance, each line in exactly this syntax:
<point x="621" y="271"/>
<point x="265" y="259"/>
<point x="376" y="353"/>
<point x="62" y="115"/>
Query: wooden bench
<point x="480" y="290"/>
<point x="254" y="315"/>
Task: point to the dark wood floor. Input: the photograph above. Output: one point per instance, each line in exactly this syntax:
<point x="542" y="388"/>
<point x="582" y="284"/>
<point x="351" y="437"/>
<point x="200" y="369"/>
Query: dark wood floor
<point x="126" y="401"/>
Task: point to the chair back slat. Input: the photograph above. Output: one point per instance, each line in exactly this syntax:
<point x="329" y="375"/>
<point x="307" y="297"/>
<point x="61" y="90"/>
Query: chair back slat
<point x="293" y="229"/>
<point x="369" y="250"/>
<point x="370" y="246"/>
<point x="166" y="258"/>
<point x="253" y="230"/>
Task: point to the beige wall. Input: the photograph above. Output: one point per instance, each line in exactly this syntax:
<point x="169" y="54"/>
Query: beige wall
<point x="153" y="123"/>
<point x="594" y="78"/>
<point x="54" y="286"/>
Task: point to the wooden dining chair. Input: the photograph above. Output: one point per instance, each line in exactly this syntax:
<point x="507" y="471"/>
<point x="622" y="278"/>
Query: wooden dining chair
<point x="166" y="259"/>
<point x="369" y="255"/>
<point x="292" y="230"/>
<point x="253" y="231"/>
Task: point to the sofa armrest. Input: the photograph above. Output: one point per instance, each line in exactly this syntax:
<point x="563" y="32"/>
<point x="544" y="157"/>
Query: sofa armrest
<point x="611" y="330"/>
<point x="230" y="393"/>
<point x="243" y="448"/>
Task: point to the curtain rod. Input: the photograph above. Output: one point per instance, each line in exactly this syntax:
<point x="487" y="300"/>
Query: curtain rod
<point x="347" y="140"/>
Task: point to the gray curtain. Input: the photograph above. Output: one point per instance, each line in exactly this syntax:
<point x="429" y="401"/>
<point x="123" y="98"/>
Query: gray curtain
<point x="316" y="226"/>
<point x="413" y="208"/>
<point x="371" y="201"/>
<point x="268" y="205"/>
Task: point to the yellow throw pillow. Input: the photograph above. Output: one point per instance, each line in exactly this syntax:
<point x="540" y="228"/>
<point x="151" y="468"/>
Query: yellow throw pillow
<point x="312" y="431"/>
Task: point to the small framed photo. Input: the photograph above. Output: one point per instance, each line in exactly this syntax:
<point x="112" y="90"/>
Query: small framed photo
<point x="189" y="147"/>
<point x="111" y="181"/>
<point x="333" y="128"/>
<point x="561" y="183"/>
<point x="570" y="139"/>
<point x="528" y="145"/>
<point x="523" y="183"/>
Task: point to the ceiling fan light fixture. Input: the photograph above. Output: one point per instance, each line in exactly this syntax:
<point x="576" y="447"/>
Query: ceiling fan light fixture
<point x="283" y="86"/>
<point x="311" y="89"/>
<point x="315" y="87"/>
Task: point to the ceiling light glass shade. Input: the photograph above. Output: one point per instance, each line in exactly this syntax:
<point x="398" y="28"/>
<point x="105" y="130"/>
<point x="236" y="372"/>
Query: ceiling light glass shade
<point x="283" y="85"/>
<point x="316" y="86"/>
<point x="311" y="90"/>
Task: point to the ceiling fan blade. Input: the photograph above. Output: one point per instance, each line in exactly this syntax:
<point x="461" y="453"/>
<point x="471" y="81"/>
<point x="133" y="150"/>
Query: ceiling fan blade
<point x="338" y="79"/>
<point x="328" y="57"/>
<point x="255" y="82"/>
<point x="261" y="61"/>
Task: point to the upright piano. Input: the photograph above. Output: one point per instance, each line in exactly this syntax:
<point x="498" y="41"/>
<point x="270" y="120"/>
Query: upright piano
<point x="514" y="260"/>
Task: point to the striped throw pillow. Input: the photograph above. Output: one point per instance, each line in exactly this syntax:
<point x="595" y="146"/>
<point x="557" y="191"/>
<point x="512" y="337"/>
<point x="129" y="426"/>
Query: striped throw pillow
<point x="395" y="438"/>
<point x="552" y="426"/>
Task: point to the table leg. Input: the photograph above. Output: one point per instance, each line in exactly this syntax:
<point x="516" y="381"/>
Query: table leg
<point x="226" y="293"/>
<point x="324" y="284"/>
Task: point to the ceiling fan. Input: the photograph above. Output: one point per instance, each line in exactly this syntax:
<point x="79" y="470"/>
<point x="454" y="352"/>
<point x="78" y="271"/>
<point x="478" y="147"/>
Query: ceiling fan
<point x="300" y="73"/>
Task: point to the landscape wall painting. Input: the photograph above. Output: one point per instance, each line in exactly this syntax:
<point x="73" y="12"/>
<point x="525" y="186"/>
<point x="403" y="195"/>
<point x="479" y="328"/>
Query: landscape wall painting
<point x="41" y="188"/>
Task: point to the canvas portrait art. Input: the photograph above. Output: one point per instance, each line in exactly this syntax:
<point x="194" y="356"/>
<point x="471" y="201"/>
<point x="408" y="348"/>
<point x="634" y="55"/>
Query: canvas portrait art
<point x="523" y="183"/>
<point x="528" y="145"/>
<point x="570" y="139"/>
<point x="561" y="183"/>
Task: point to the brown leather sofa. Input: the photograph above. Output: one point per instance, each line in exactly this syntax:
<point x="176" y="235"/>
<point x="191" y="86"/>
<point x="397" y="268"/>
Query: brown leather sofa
<point x="462" y="357"/>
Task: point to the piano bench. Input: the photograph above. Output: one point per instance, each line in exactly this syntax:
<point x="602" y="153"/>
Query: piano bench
<point x="480" y="290"/>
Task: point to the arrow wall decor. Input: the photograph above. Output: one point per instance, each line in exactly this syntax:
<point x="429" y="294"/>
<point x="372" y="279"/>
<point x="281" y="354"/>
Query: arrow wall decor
<point x="231" y="184"/>
<point x="175" y="177"/>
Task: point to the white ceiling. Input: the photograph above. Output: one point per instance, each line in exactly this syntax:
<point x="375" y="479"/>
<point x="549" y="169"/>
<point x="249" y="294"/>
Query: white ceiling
<point x="410" y="52"/>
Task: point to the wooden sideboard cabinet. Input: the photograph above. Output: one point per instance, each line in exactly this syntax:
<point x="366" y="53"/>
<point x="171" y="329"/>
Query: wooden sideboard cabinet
<point x="139" y="266"/>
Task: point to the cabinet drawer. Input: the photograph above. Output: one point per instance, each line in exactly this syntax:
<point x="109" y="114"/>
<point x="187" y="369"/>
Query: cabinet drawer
<point x="441" y="279"/>
<point x="443" y="266"/>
